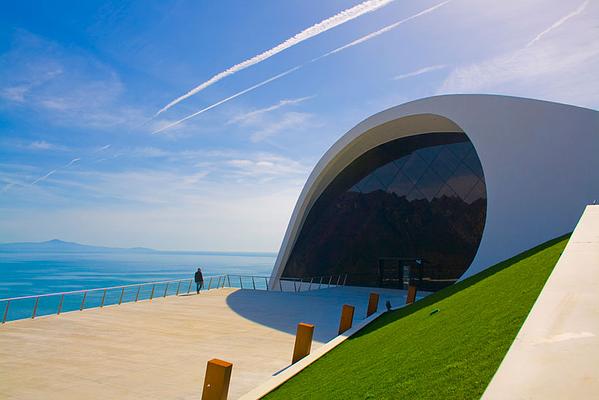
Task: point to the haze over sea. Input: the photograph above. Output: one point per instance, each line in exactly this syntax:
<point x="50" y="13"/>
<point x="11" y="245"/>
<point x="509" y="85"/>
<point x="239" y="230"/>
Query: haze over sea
<point x="56" y="266"/>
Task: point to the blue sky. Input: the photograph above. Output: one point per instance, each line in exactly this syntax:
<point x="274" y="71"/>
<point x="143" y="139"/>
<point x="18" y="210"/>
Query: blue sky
<point x="84" y="157"/>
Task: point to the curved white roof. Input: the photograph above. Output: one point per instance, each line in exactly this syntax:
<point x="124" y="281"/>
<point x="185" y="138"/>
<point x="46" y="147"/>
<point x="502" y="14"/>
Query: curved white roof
<point x="540" y="160"/>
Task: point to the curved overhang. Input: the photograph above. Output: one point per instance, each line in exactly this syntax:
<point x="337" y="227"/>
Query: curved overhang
<point x="539" y="160"/>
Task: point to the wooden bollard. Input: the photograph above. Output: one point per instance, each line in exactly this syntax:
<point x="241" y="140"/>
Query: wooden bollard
<point x="373" y="304"/>
<point x="216" y="381"/>
<point x="347" y="317"/>
<point x="411" y="297"/>
<point x="303" y="341"/>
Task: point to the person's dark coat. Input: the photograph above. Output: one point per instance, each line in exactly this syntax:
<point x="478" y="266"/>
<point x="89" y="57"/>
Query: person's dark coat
<point x="199" y="277"/>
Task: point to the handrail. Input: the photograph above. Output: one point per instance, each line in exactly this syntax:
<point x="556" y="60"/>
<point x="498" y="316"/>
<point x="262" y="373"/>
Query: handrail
<point x="220" y="281"/>
<point x="33" y="296"/>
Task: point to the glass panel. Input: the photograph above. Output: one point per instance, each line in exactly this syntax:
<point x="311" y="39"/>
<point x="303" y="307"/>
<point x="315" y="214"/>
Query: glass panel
<point x="414" y="167"/>
<point x="386" y="173"/>
<point x="412" y="207"/>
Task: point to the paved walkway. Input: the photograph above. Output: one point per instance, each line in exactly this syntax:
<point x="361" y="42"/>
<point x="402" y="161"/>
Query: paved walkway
<point x="556" y="353"/>
<point x="159" y="349"/>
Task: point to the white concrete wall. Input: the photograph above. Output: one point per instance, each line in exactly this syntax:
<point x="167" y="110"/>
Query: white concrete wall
<point x="540" y="160"/>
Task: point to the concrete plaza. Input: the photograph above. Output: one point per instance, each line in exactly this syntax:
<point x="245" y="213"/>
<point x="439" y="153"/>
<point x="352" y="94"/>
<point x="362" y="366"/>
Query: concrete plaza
<point x="158" y="349"/>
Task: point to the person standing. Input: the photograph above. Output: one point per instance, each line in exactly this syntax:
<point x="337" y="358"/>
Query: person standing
<point x="199" y="278"/>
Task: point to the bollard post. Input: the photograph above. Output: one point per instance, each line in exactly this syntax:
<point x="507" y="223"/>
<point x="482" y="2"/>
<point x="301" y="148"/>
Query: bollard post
<point x="411" y="297"/>
<point x="373" y="304"/>
<point x="347" y="317"/>
<point x="216" y="380"/>
<point x="303" y="341"/>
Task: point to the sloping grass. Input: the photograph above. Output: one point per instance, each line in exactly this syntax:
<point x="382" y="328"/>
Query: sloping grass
<point x="417" y="353"/>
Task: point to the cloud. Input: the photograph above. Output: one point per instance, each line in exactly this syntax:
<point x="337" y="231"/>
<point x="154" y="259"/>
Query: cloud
<point x="420" y="71"/>
<point x="288" y="121"/>
<point x="43" y="145"/>
<point x="289" y="71"/>
<point x="561" y="67"/>
<point x="323" y="26"/>
<point x="253" y="115"/>
<point x="559" y="23"/>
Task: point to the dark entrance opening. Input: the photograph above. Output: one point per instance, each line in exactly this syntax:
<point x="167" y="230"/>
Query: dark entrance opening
<point x="399" y="272"/>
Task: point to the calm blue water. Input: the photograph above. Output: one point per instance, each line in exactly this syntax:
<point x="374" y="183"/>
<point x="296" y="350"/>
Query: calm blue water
<point x="39" y="273"/>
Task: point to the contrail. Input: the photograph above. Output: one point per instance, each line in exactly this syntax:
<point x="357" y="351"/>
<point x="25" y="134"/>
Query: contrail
<point x="102" y="148"/>
<point x="203" y="110"/>
<point x="42" y="178"/>
<point x="323" y="26"/>
<point x="337" y="50"/>
<point x="381" y="31"/>
<point x="559" y="22"/>
<point x="420" y="71"/>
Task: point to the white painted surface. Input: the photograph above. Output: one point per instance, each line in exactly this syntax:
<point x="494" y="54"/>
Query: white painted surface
<point x="556" y="353"/>
<point x="539" y="158"/>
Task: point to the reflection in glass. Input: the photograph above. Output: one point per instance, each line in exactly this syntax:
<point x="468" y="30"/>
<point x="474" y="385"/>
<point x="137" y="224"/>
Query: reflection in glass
<point x="415" y="204"/>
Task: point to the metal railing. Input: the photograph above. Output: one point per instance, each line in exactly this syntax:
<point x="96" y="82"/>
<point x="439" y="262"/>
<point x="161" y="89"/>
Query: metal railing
<point x="78" y="300"/>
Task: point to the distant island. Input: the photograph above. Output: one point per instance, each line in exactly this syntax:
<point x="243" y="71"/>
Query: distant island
<point x="60" y="246"/>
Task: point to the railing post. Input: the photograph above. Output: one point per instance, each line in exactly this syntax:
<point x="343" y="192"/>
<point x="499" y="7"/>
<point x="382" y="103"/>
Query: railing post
<point x="60" y="305"/>
<point x="216" y="380"/>
<point x="209" y="283"/>
<point x="137" y="294"/>
<point x="330" y="279"/>
<point x="320" y="283"/>
<point x="178" y="287"/>
<point x="37" y="300"/>
<point x="5" y="311"/>
<point x="253" y="283"/>
<point x="299" y="289"/>
<point x="310" y="285"/>
<point x="280" y="285"/>
<point x="373" y="304"/>
<point x="103" y="298"/>
<point x="165" y="290"/>
<point x="121" y="298"/>
<point x="411" y="296"/>
<point x="303" y="341"/>
<point x="219" y="279"/>
<point x="294" y="287"/>
<point x="152" y="294"/>
<point x="229" y="280"/>
<point x="240" y="282"/>
<point x="344" y="279"/>
<point x="83" y="301"/>
<point x="189" y="287"/>
<point x="338" y="279"/>
<point x="347" y="317"/>
<point x="266" y="283"/>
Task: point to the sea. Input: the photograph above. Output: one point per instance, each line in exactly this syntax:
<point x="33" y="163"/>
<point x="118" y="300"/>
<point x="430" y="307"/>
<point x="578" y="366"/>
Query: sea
<point x="25" y="274"/>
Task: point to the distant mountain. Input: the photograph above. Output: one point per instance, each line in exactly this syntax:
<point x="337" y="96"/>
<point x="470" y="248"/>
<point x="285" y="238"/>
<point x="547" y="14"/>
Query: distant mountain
<point x="60" y="246"/>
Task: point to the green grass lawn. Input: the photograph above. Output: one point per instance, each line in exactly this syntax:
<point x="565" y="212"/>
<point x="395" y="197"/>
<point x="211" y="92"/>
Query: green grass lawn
<point x="413" y="353"/>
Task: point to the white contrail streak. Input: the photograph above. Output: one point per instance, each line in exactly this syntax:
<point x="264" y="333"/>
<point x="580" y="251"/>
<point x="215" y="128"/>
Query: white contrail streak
<point x="559" y="22"/>
<point x="203" y="110"/>
<point x="42" y="178"/>
<point x="420" y="71"/>
<point x="383" y="30"/>
<point x="337" y="50"/>
<point x="102" y="148"/>
<point x="323" y="26"/>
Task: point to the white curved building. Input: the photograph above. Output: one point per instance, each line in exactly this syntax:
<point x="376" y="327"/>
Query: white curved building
<point x="440" y="188"/>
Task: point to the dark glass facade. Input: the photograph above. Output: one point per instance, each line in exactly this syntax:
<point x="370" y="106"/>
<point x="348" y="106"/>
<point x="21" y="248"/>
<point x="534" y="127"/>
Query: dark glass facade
<point x="410" y="210"/>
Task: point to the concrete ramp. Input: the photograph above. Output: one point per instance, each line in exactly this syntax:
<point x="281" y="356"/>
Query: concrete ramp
<point x="556" y="353"/>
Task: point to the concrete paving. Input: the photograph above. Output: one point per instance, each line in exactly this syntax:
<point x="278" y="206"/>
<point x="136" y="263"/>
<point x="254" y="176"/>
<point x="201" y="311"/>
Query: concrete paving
<point x="159" y="349"/>
<point x="556" y="353"/>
